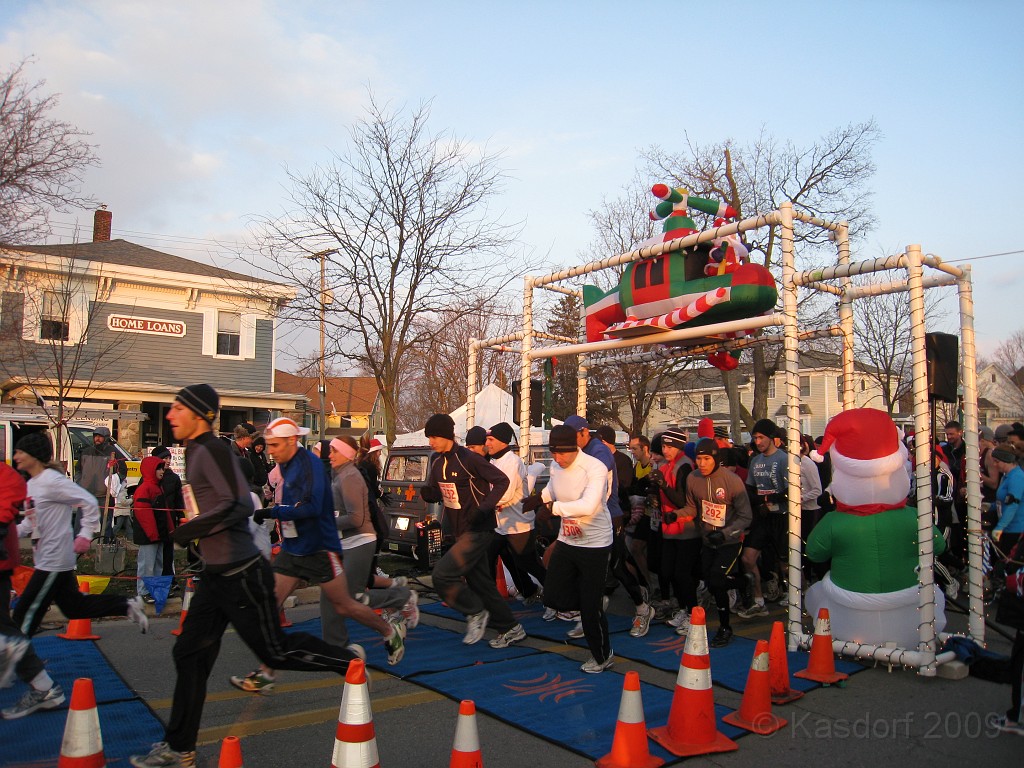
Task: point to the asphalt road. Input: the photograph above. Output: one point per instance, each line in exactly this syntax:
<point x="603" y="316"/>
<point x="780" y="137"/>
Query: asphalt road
<point x="880" y="717"/>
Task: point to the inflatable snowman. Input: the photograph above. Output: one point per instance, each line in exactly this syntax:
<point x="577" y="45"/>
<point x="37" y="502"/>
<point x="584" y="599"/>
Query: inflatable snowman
<point x="871" y="591"/>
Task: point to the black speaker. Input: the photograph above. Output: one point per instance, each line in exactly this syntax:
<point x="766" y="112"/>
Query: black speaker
<point x="943" y="355"/>
<point x="536" y="401"/>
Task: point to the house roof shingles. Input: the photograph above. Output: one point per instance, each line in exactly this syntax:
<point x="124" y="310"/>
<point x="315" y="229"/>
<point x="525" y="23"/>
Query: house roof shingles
<point x="125" y="254"/>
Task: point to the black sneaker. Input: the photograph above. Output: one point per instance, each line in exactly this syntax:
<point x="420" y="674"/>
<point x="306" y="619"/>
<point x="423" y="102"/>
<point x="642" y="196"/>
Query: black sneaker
<point x="722" y="637"/>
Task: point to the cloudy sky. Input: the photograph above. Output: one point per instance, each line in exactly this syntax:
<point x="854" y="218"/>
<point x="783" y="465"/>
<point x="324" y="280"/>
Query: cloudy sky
<point x="198" y="108"/>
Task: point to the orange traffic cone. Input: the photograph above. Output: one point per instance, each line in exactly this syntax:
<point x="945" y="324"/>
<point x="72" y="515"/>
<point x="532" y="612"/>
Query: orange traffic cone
<point x="629" y="747"/>
<point x="80" y="629"/>
<point x="778" y="667"/>
<point x="755" y="712"/>
<point x="283" y="618"/>
<point x="821" y="666"/>
<point x="186" y="602"/>
<point x="230" y="753"/>
<point x="500" y="580"/>
<point x="82" y="746"/>
<point x="355" y="742"/>
<point x="691" y="728"/>
<point x="466" y="749"/>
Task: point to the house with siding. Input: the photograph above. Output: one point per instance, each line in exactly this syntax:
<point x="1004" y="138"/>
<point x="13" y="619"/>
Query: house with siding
<point x="112" y="324"/>
<point x="352" y="405"/>
<point x="700" y="393"/>
<point x="1003" y="393"/>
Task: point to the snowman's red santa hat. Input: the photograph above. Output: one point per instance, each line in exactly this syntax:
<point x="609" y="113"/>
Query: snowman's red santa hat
<point x="869" y="462"/>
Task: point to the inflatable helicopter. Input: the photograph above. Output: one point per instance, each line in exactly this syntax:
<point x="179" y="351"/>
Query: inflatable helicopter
<point x="713" y="282"/>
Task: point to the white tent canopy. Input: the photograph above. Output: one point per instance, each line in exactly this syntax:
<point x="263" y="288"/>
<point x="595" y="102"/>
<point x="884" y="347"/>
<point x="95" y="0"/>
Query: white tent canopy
<point x="493" y="405"/>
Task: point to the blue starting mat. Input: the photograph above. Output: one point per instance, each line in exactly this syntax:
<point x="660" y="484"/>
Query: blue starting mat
<point x="427" y="649"/>
<point x="531" y="619"/>
<point x="127" y="724"/>
<point x="553" y="699"/>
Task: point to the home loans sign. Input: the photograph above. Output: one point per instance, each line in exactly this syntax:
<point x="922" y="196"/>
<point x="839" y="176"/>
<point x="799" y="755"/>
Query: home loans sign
<point x="150" y="325"/>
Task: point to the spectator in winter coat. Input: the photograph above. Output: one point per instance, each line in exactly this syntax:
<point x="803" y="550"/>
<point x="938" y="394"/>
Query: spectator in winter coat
<point x="96" y="463"/>
<point x="153" y="523"/>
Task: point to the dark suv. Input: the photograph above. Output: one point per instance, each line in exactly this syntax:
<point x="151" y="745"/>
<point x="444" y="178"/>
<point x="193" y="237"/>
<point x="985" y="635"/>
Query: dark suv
<point x="412" y="523"/>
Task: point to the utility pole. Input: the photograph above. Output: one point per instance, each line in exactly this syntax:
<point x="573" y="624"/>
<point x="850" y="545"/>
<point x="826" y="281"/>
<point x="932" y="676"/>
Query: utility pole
<point x="324" y="301"/>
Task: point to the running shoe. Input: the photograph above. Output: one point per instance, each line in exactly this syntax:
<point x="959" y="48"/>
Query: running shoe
<point x="594" y="667"/>
<point x="33" y="700"/>
<point x="395" y="644"/>
<point x="642" y="621"/>
<point x="162" y="756"/>
<point x="476" y="626"/>
<point x="411" y="610"/>
<point x="255" y="682"/>
<point x="136" y="612"/>
<point x="511" y="637"/>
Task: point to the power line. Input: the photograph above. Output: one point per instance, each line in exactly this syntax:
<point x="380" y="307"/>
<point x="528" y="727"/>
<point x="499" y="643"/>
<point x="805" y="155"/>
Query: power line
<point x="986" y="256"/>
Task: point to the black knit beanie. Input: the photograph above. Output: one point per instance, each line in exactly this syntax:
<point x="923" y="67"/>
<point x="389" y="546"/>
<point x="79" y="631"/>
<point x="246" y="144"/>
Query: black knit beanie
<point x="37" y="445"/>
<point x="562" y="439"/>
<point x="202" y="399"/>
<point x="440" y="425"/>
<point x="764" y="427"/>
<point x="709" y="447"/>
<point x="476" y="436"/>
<point x="503" y="433"/>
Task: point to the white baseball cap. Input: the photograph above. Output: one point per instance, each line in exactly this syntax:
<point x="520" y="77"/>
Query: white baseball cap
<point x="284" y="427"/>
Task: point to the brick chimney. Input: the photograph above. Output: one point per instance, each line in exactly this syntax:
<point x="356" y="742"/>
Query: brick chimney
<point x="101" y="225"/>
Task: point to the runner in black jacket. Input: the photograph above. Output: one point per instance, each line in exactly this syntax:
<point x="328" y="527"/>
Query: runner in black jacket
<point x="470" y="488"/>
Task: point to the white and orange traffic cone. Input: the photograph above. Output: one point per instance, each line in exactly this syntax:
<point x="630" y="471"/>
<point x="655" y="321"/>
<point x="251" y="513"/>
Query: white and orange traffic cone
<point x="755" y="712"/>
<point x="821" y="665"/>
<point x="466" y="748"/>
<point x="355" y="742"/>
<point x="186" y="602"/>
<point x="82" y="746"/>
<point x="230" y="753"/>
<point x="778" y="667"/>
<point x="283" y="618"/>
<point x="629" y="747"/>
<point x="80" y="629"/>
<point x="691" y="727"/>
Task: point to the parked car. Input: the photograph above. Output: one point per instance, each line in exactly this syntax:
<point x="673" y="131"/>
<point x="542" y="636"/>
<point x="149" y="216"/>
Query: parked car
<point x="415" y="528"/>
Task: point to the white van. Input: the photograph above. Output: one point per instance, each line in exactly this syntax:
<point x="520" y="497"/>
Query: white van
<point x="17" y="421"/>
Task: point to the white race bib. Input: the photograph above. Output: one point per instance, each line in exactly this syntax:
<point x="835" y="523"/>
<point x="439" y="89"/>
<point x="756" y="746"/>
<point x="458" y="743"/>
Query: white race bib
<point x="450" y="495"/>
<point x="713" y="514"/>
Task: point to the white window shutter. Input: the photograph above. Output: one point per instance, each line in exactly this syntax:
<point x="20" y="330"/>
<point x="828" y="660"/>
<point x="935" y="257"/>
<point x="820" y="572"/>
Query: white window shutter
<point x="209" y="332"/>
<point x="247" y="347"/>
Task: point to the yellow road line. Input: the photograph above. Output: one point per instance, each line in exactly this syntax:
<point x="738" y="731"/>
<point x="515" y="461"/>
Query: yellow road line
<point x="313" y="717"/>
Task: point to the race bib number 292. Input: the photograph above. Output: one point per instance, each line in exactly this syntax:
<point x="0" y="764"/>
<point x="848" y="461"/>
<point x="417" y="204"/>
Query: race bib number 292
<point x="450" y="495"/>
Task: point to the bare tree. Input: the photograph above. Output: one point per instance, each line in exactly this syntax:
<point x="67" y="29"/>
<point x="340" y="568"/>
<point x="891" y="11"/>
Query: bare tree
<point x="42" y="159"/>
<point x="402" y="226"/>
<point x="829" y="179"/>
<point x="1008" y="357"/>
<point x="51" y="346"/>
<point x="435" y="376"/>
<point x="882" y="338"/>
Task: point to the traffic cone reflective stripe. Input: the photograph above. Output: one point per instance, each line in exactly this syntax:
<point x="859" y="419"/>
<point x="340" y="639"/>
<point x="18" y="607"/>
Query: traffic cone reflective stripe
<point x="629" y="747"/>
<point x="755" y="712"/>
<point x="691" y="728"/>
<point x="466" y="749"/>
<point x="355" y="743"/>
<point x="821" y="665"/>
<point x="230" y="753"/>
<point x="82" y="746"/>
<point x="778" y="668"/>
<point x="186" y="602"/>
<point x="80" y="629"/>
